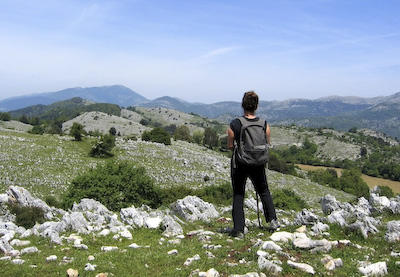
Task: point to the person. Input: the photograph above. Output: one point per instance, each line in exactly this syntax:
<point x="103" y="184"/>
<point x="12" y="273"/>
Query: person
<point x="240" y="172"/>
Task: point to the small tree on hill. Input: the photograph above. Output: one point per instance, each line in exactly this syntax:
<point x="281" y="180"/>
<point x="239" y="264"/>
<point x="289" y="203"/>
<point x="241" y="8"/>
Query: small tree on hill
<point x="157" y="135"/>
<point x="77" y="131"/>
<point x="210" y="137"/>
<point x="182" y="133"/>
<point x="103" y="147"/>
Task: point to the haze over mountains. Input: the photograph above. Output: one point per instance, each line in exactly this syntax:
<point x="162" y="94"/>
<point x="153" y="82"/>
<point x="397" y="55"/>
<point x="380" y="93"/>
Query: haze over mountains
<point x="342" y="113"/>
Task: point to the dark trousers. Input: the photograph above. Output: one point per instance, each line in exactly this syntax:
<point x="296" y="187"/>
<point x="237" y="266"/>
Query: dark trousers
<point x="239" y="175"/>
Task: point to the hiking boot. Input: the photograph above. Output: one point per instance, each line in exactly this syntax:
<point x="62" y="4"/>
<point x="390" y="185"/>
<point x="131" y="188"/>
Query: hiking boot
<point x="237" y="234"/>
<point x="274" y="225"/>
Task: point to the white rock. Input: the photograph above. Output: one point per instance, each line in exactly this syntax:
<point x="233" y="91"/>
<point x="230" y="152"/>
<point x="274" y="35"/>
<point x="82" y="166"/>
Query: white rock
<point x="104" y="232"/>
<point x="153" y="222"/>
<point x="173" y="252"/>
<point x="134" y="246"/>
<point x="32" y="249"/>
<point x="17" y="242"/>
<point x="282" y="236"/>
<point x="18" y="261"/>
<point x="109" y="248"/>
<point x="301" y="266"/>
<point x="51" y="258"/>
<point x="90" y="267"/>
<point x="376" y="269"/>
<point x="270" y="245"/>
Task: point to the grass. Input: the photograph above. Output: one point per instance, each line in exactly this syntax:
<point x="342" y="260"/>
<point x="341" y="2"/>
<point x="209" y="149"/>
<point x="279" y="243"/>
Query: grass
<point x="46" y="164"/>
<point x="231" y="256"/>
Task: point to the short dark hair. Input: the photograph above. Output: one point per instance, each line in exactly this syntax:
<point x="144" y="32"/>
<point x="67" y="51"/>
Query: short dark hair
<point x="250" y="101"/>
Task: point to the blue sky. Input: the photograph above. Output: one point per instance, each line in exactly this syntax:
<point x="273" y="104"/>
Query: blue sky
<point x="202" y="51"/>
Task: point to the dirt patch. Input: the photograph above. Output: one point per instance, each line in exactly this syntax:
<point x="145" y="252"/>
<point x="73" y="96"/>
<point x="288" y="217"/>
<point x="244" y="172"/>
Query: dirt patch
<point x="371" y="181"/>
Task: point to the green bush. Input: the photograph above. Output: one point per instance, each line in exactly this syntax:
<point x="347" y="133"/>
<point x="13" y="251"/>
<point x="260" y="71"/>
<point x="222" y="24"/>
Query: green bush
<point x="385" y="191"/>
<point x="26" y="216"/>
<point x="286" y="199"/>
<point x="219" y="195"/>
<point x="53" y="202"/>
<point x="351" y="182"/>
<point x="215" y="194"/>
<point x="116" y="186"/>
<point x="103" y="146"/>
<point x="157" y="135"/>
<point x="77" y="131"/>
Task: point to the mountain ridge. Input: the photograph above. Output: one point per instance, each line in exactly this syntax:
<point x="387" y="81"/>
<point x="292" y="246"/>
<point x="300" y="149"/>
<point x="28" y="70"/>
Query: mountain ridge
<point x="379" y="113"/>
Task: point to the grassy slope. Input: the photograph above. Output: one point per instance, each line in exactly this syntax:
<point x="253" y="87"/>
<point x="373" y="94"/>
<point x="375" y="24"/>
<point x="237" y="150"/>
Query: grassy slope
<point x="45" y="165"/>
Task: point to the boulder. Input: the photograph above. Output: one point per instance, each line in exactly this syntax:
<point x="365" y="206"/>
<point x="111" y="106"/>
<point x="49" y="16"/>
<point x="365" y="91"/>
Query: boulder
<point x="192" y="208"/>
<point x="393" y="231"/>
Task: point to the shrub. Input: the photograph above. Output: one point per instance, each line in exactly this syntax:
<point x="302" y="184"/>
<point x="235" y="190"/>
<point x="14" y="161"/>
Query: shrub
<point x="219" y="195"/>
<point x="77" y="131"/>
<point x="216" y="194"/>
<point x="27" y="216"/>
<point x="103" y="146"/>
<point x="116" y="186"/>
<point x="288" y="200"/>
<point x="182" y="133"/>
<point x="385" y="191"/>
<point x="157" y="135"/>
<point x="351" y="182"/>
<point x="53" y="202"/>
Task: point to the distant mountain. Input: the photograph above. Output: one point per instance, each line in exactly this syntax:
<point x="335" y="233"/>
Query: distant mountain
<point x="116" y="94"/>
<point x="66" y="109"/>
<point x="342" y="113"/>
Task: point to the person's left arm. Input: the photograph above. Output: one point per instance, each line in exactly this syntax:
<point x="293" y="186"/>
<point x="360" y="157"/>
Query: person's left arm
<point x="231" y="139"/>
<point x="268" y="131"/>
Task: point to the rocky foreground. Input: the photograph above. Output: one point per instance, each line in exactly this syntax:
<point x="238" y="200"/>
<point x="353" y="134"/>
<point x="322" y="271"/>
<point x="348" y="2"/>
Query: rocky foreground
<point x="312" y="235"/>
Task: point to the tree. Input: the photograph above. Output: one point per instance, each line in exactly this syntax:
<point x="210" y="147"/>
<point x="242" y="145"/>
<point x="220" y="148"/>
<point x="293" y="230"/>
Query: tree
<point x="157" y="135"/>
<point x="353" y="130"/>
<point x="351" y="182"/>
<point x="113" y="131"/>
<point x="198" y="137"/>
<point x="103" y="146"/>
<point x="115" y="185"/>
<point x="77" y="131"/>
<point x="182" y="133"/>
<point x="210" y="137"/>
<point x="5" y="116"/>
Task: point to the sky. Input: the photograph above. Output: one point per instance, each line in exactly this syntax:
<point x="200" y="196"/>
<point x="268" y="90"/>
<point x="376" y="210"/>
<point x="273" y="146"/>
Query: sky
<point x="202" y="51"/>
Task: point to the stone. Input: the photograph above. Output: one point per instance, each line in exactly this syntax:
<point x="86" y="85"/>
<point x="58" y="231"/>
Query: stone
<point x="171" y="226"/>
<point x="133" y="217"/>
<point x="90" y="267"/>
<point x="173" y="252"/>
<point x="109" y="248"/>
<point x="281" y="236"/>
<point x="301" y="266"/>
<point x="269" y="266"/>
<point x="152" y="222"/>
<point x="305" y="217"/>
<point x="393" y="231"/>
<point x="51" y="258"/>
<point x="329" y="204"/>
<point x="376" y="269"/>
<point x="72" y="272"/>
<point x="380" y="202"/>
<point x="18" y="261"/>
<point x="134" y="246"/>
<point x="27" y="250"/>
<point x="192" y="208"/>
<point x="270" y="245"/>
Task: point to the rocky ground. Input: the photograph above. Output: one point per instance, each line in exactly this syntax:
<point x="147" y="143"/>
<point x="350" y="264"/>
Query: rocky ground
<point x="272" y="254"/>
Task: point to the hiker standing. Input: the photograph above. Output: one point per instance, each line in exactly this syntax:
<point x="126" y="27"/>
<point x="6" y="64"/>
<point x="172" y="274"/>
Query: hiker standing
<point x="242" y="169"/>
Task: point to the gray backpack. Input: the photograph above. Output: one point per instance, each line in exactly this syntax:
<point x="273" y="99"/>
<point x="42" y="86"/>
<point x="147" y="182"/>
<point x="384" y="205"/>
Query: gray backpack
<point x="253" y="147"/>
